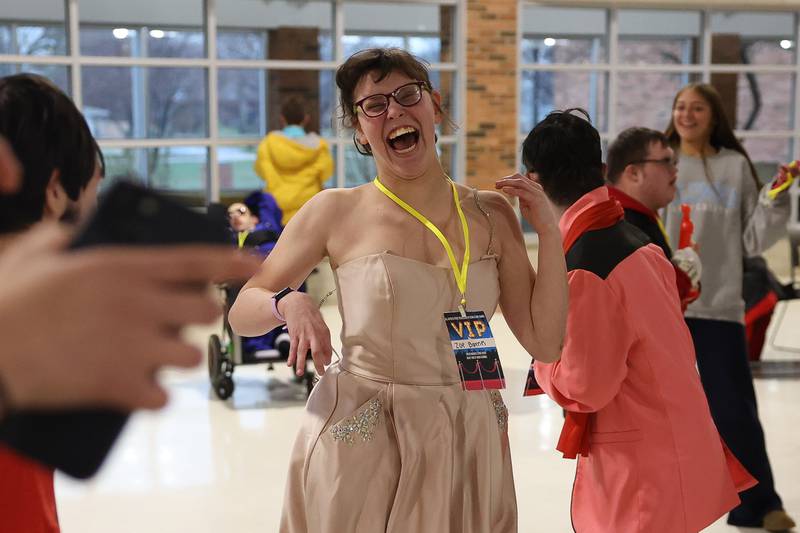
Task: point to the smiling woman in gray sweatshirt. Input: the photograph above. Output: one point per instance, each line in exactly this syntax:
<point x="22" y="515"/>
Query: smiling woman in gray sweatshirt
<point x="733" y="218"/>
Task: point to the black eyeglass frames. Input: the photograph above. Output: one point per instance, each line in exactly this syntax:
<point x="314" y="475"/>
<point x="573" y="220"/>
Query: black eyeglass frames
<point x="406" y="95"/>
<point x="667" y="161"/>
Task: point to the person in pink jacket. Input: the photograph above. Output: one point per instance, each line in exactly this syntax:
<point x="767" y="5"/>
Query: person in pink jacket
<point x="651" y="459"/>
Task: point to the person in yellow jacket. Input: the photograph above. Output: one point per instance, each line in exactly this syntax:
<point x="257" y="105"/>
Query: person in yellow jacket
<point x="293" y="164"/>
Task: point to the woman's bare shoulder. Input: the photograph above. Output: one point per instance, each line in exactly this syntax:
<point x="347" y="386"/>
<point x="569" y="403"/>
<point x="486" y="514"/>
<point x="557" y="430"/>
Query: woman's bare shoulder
<point x="492" y="198"/>
<point x="335" y="202"/>
<point x="502" y="219"/>
<point x="494" y="203"/>
<point x="495" y="200"/>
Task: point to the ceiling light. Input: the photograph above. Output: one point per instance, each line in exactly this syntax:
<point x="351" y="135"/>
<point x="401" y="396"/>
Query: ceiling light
<point x="120" y="33"/>
<point x="157" y="34"/>
<point x="549" y="41"/>
<point x="786" y="44"/>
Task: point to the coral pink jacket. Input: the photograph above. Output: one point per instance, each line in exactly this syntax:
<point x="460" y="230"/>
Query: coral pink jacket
<point x="655" y="463"/>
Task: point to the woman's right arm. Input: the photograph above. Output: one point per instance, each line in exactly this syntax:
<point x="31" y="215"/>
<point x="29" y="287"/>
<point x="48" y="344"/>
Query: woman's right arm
<point x="302" y="245"/>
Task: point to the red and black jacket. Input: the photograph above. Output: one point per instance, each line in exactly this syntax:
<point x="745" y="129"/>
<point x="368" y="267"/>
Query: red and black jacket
<point x="647" y="220"/>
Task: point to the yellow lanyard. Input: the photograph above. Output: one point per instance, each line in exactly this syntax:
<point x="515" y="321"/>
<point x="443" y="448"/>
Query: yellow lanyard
<point x="662" y="228"/>
<point x="242" y="235"/>
<point x="460" y="274"/>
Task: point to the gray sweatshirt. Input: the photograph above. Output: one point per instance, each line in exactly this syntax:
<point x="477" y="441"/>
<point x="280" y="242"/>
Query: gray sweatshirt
<point x="732" y="219"/>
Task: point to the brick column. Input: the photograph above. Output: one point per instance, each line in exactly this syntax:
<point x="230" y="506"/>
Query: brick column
<point x="446" y="83"/>
<point x="491" y="91"/>
<point x="293" y="43"/>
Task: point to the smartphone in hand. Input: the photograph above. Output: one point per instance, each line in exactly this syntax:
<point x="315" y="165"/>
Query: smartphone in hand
<point x="78" y="441"/>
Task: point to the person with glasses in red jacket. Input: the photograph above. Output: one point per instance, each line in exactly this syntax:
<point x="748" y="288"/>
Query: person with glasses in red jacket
<point x="641" y="170"/>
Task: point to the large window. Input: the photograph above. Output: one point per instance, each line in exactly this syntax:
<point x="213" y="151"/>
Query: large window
<point x="180" y="93"/>
<point x="626" y="65"/>
<point x="35" y="33"/>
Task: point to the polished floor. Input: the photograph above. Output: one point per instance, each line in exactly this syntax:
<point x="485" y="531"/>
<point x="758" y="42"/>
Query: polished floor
<point x="202" y="465"/>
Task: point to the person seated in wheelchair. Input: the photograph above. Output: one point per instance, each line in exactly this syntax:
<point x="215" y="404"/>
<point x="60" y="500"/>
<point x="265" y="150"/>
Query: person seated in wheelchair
<point x="255" y="224"/>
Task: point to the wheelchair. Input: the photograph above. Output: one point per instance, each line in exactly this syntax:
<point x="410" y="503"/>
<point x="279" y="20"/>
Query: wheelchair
<point x="227" y="350"/>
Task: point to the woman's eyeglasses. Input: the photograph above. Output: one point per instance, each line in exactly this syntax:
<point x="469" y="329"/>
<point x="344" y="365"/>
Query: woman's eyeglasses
<point x="406" y="95"/>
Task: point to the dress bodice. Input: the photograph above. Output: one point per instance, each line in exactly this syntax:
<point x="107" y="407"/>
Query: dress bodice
<point x="392" y="311"/>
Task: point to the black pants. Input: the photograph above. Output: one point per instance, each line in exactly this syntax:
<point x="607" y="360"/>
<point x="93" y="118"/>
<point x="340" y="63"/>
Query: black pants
<point x="725" y="372"/>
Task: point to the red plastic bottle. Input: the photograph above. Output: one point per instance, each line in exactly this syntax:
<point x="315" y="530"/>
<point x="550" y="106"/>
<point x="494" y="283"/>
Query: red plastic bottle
<point x="687" y="227"/>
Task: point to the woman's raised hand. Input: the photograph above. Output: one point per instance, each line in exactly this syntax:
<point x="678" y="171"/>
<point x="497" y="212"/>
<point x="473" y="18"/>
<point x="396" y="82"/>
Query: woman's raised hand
<point x="533" y="202"/>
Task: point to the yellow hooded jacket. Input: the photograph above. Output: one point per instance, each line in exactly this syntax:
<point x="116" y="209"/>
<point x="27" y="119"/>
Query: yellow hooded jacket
<point x="293" y="169"/>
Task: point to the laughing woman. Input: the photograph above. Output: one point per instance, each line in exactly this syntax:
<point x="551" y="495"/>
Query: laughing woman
<point x="390" y="440"/>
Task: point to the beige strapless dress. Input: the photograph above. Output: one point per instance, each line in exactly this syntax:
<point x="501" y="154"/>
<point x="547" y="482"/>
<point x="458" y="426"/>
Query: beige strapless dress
<point x="390" y="442"/>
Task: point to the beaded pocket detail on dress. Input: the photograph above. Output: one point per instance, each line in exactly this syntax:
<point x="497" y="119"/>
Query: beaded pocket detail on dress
<point x="500" y="409"/>
<point x="361" y="425"/>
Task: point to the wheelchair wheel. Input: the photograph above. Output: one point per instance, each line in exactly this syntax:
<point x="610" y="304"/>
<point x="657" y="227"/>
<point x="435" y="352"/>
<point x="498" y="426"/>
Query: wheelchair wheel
<point x="224" y="387"/>
<point x="282" y="345"/>
<point x="219" y="369"/>
<point x="214" y="358"/>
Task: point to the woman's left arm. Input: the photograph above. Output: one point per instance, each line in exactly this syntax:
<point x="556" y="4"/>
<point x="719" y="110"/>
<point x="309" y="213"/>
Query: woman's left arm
<point x="763" y="219"/>
<point x="534" y="305"/>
